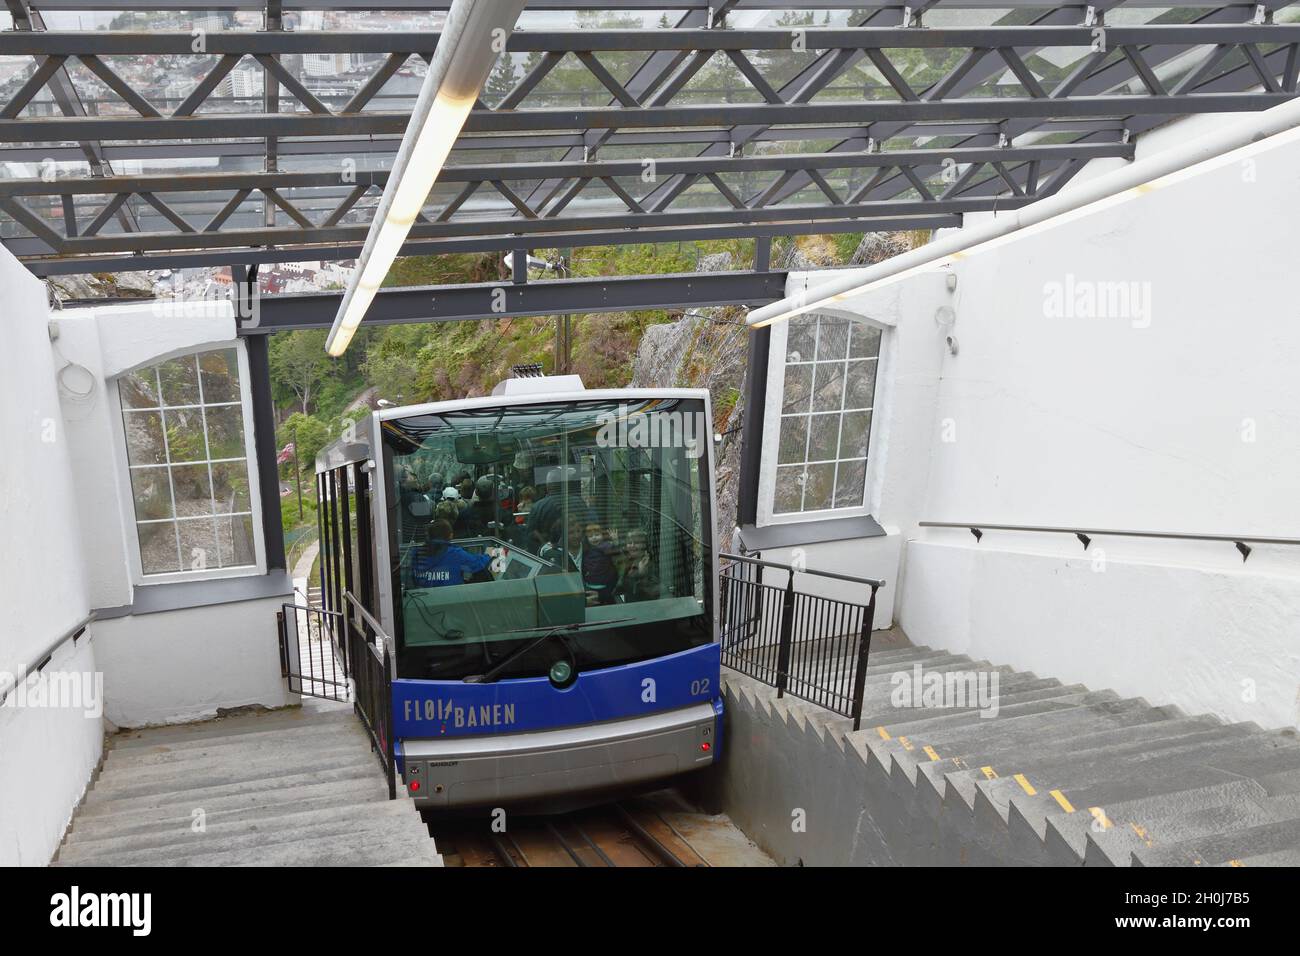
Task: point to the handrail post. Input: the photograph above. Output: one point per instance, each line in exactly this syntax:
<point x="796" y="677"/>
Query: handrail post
<point x="864" y="651"/>
<point x="787" y="630"/>
<point x="390" y="758"/>
<point x="284" y="645"/>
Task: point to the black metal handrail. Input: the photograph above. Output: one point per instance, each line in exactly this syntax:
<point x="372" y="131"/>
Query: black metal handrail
<point x="312" y="667"/>
<point x="1085" y="535"/>
<point x="816" y="648"/>
<point x="760" y="562"/>
<point x="39" y="661"/>
<point x="372" y="670"/>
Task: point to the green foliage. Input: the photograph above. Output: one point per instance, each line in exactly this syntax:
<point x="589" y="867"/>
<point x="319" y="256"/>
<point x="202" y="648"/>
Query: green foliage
<point x="410" y="364"/>
<point x="299" y="364"/>
<point x="846" y="243"/>
<point x="309" y="434"/>
<point x="293" y="526"/>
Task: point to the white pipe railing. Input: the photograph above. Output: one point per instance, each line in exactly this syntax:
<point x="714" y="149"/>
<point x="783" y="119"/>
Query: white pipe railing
<point x="1230" y="144"/>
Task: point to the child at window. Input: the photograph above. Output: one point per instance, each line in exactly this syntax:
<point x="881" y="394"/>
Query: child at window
<point x="598" y="572"/>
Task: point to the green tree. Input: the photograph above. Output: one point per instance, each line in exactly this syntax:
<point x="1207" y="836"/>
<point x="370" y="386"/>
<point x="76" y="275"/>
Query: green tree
<point x="501" y="80"/>
<point x="393" y="363"/>
<point x="299" y="363"/>
<point x="310" y="435"/>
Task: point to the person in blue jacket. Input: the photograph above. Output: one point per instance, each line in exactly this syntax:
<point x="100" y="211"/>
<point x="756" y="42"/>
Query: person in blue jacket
<point x="439" y="563"/>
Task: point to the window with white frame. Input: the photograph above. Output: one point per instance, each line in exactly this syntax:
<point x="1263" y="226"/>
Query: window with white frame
<point x="824" y="428"/>
<point x="187" y="453"/>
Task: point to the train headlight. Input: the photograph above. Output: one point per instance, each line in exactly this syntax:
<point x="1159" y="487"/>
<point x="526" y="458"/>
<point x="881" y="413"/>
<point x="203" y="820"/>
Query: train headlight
<point x="561" y="673"/>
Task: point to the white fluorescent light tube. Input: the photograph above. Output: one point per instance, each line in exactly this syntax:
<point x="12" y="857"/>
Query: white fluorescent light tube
<point x="1161" y="169"/>
<point x="472" y="38"/>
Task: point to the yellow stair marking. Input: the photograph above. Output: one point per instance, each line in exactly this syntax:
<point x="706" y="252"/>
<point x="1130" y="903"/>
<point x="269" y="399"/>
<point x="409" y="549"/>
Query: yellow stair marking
<point x="1142" y="834"/>
<point x="1024" y="784"/>
<point x="988" y="772"/>
<point x="907" y="744"/>
<point x="1060" y="798"/>
<point x="884" y="734"/>
<point x="930" y="752"/>
<point x="1100" y="816"/>
<point x="1235" y="863"/>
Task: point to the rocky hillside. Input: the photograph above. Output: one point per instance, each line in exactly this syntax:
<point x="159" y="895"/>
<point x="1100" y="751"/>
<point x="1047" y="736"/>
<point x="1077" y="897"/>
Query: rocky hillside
<point x="706" y="348"/>
<point x="101" y="285"/>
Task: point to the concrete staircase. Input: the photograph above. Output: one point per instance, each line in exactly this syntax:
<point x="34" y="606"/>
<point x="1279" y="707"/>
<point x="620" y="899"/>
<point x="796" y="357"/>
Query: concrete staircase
<point x="296" y="787"/>
<point x="1061" y="776"/>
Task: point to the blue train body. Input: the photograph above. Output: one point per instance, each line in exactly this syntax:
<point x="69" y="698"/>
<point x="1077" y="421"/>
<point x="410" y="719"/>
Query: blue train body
<point x="572" y="649"/>
<point x="424" y="709"/>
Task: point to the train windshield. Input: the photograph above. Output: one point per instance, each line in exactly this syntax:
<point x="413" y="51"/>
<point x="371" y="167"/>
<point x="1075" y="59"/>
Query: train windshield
<point x="589" y="521"/>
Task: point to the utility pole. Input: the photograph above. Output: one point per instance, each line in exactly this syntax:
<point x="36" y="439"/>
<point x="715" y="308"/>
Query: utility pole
<point x="297" y="475"/>
<point x="563" y="323"/>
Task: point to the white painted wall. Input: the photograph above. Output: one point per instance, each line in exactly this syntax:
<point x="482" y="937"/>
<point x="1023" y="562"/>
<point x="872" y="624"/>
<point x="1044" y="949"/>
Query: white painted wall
<point x="46" y="754"/>
<point x="108" y="341"/>
<point x="176" y="665"/>
<point x="1140" y="421"/>
<point x="907" y="393"/>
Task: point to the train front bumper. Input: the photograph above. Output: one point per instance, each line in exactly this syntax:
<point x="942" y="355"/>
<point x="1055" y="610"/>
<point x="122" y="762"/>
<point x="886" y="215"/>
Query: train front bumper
<point x="510" y="768"/>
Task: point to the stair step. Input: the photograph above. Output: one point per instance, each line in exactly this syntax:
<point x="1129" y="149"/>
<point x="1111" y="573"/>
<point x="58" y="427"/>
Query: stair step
<point x="227" y="771"/>
<point x="139" y="749"/>
<point x="901" y="720"/>
<point x="1008" y="756"/>
<point x="356" y="850"/>
<point x="396" y="816"/>
<point x="295" y="787"/>
<point x="883" y="672"/>
<point x="1056" y="698"/>
<point x="1016" y="733"/>
<point x="290" y="745"/>
<point x="95" y="806"/>
<point x="1287" y="857"/>
<point x="1118" y="822"/>
<point x="1073" y="776"/>
<point x="258" y="805"/>
<point x="1135" y="768"/>
<point x="1086" y="740"/>
<point x="235" y="725"/>
<point x="1224" y="847"/>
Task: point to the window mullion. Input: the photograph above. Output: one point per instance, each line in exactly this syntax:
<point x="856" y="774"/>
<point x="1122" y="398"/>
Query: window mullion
<point x="207" y="454"/>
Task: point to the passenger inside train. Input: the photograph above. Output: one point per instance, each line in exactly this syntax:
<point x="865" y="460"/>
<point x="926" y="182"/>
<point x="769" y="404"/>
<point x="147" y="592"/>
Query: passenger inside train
<point x="542" y="526"/>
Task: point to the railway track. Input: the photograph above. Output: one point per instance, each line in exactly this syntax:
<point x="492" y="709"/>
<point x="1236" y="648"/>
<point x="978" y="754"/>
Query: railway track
<point x="618" y="834"/>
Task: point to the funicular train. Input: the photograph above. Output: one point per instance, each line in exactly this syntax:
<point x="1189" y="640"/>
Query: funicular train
<point x="544" y="562"/>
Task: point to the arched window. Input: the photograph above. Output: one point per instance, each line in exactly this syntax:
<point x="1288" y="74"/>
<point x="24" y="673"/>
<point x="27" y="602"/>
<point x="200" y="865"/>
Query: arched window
<point x="187" y="448"/>
<point x="823" y="430"/>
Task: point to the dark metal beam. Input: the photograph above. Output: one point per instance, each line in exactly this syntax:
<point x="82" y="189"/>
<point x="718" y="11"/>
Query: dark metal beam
<point x="268" y="479"/>
<point x="755" y="394"/>
<point x="600" y="169"/>
<point x="383" y="147"/>
<point x="809" y="218"/>
<point x="61" y="128"/>
<point x="42" y="264"/>
<point x="602" y="6"/>
<point x="678" y="39"/>
<point x="510" y="299"/>
<point x="837" y="95"/>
